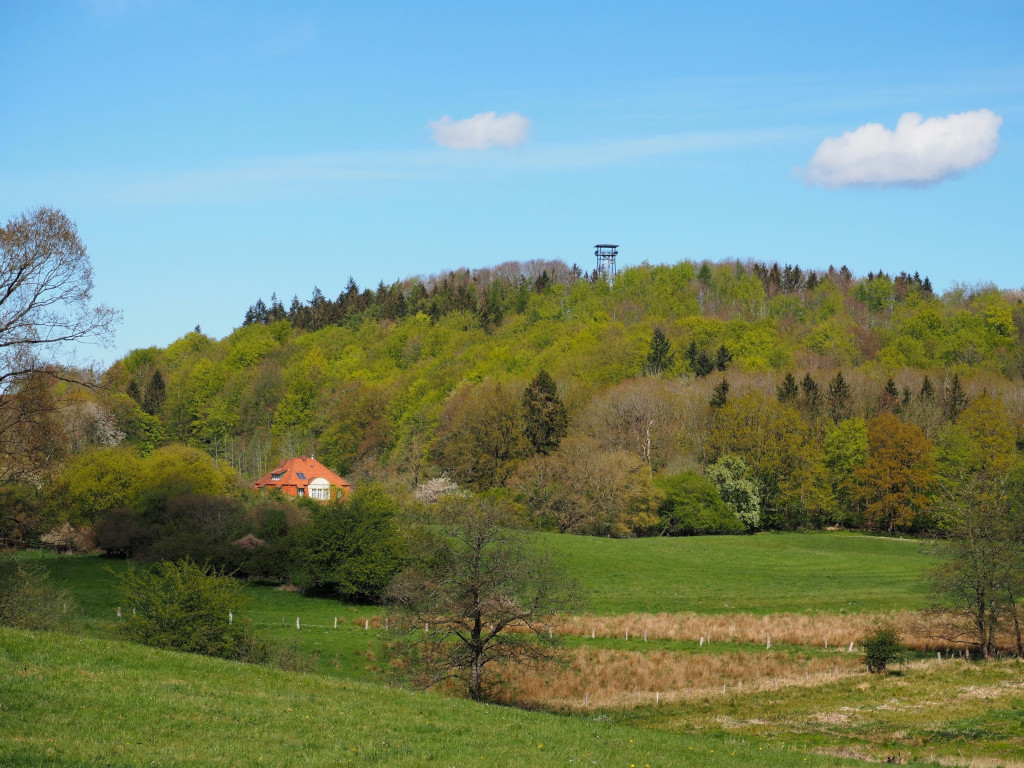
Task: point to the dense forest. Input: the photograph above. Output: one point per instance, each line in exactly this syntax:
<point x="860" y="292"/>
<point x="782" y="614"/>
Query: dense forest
<point x="690" y="398"/>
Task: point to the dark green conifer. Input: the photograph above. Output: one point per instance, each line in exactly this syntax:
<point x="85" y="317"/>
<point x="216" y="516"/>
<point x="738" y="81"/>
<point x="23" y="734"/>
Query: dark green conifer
<point x="955" y="400"/>
<point x="660" y="357"/>
<point x="787" y="391"/>
<point x="722" y="358"/>
<point x="812" y="394"/>
<point x="927" y="393"/>
<point x="691" y="354"/>
<point x="704" y="274"/>
<point x="838" y="398"/>
<point x="720" y="394"/>
<point x="545" y="416"/>
<point x="156" y="393"/>
<point x="703" y="366"/>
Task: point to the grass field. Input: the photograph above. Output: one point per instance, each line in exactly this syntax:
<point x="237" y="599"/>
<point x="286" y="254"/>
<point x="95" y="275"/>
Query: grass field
<point x="632" y="703"/>
<point x="348" y="651"/>
<point x="767" y="573"/>
<point x="71" y="701"/>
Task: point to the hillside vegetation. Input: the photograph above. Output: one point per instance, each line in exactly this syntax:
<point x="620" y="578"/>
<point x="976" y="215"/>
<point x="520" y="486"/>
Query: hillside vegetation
<point x="667" y="370"/>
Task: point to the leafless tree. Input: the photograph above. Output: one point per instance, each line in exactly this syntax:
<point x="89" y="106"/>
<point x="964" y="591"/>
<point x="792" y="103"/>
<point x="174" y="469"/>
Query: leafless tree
<point x="478" y="597"/>
<point x="46" y="309"/>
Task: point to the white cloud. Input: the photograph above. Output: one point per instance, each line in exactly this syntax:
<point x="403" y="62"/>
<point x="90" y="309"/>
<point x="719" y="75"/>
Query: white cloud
<point x="482" y="131"/>
<point x="917" y="153"/>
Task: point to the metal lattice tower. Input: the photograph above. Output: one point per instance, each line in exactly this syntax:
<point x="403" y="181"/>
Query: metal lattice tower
<point x="606" y="260"/>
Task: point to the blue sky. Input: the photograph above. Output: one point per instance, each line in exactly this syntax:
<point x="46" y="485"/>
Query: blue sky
<point x="213" y="153"/>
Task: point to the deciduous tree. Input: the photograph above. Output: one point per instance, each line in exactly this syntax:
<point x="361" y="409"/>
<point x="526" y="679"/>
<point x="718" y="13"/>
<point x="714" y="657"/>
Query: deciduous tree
<point x="480" y="436"/>
<point x="477" y="597"/>
<point x="46" y="308"/>
<point x="981" y="514"/>
<point x="581" y="488"/>
<point x="895" y="481"/>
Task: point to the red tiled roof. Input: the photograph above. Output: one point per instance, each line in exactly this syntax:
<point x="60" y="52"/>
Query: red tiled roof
<point x="288" y="474"/>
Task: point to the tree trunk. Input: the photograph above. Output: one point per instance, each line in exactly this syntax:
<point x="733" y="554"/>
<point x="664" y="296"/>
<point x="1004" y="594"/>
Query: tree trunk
<point x="476" y="648"/>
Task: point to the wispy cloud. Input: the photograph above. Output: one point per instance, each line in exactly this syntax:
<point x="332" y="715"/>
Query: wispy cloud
<point x="482" y="131"/>
<point x="317" y="174"/>
<point x="917" y="153"/>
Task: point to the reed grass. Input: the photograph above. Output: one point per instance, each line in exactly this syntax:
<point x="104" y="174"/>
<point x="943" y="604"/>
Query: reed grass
<point x="601" y="678"/>
<point x="919" y="630"/>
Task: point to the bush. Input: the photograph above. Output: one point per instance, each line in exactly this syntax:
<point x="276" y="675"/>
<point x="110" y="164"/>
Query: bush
<point x="67" y="540"/>
<point x="271" y="562"/>
<point x="183" y="606"/>
<point x="27" y="599"/>
<point x="123" y="533"/>
<point x="24" y="516"/>
<point x="350" y="548"/>
<point x="692" y="506"/>
<point x="883" y="647"/>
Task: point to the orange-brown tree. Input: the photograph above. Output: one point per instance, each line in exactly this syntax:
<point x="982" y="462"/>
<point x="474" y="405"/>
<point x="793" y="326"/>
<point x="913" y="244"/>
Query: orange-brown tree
<point x="895" y="481"/>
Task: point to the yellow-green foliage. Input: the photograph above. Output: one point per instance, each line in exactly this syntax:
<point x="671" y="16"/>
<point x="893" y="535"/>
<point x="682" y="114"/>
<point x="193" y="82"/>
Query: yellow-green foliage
<point x="374" y="387"/>
<point x="99" y="480"/>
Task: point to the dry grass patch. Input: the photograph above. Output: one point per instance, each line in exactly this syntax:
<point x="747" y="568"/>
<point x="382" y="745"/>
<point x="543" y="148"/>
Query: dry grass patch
<point x="920" y="631"/>
<point x="603" y="678"/>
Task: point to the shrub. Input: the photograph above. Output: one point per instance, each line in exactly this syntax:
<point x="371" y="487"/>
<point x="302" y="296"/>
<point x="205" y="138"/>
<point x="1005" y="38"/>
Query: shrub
<point x="271" y="562"/>
<point x="27" y="599"/>
<point x="351" y="548"/>
<point x="883" y="647"/>
<point x="122" y="532"/>
<point x="24" y="516"/>
<point x="691" y="506"/>
<point x="183" y="606"/>
<point x="66" y="540"/>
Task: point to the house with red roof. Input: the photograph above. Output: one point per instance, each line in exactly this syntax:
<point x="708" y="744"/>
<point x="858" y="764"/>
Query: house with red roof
<point x="305" y="476"/>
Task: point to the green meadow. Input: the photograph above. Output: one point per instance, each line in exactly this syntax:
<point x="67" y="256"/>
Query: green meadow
<point x="766" y="573"/>
<point x="75" y="701"/>
<point x="90" y="699"/>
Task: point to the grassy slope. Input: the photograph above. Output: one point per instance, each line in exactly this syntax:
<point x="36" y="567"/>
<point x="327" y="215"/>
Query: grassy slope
<point x="761" y="574"/>
<point x="68" y="701"/>
<point x="347" y="651"/>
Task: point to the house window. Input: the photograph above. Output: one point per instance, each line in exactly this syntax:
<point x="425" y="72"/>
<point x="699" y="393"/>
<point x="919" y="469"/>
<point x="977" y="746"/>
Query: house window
<point x="324" y="494"/>
<point x="276" y="475"/>
<point x="302" y="491"/>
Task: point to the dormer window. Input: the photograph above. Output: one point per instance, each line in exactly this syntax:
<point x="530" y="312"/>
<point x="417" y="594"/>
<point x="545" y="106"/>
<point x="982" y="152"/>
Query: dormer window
<point x="277" y="475"/>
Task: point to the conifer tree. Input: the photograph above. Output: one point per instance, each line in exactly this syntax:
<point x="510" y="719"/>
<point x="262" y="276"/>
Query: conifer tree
<point x="890" y="399"/>
<point x="704" y="274"/>
<point x="660" y="357"/>
<point x="812" y="394"/>
<point x="838" y="398"/>
<point x="927" y="393"/>
<point x="787" y="391"/>
<point x="955" y="400"/>
<point x="691" y="354"/>
<point x="133" y="390"/>
<point x="722" y="358"/>
<point x="720" y="394"/>
<point x="156" y="393"/>
<point x="703" y="366"/>
<point x="546" y="420"/>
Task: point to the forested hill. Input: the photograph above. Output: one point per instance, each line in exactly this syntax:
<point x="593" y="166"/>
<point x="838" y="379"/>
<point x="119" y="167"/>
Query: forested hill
<point x="427" y="376"/>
